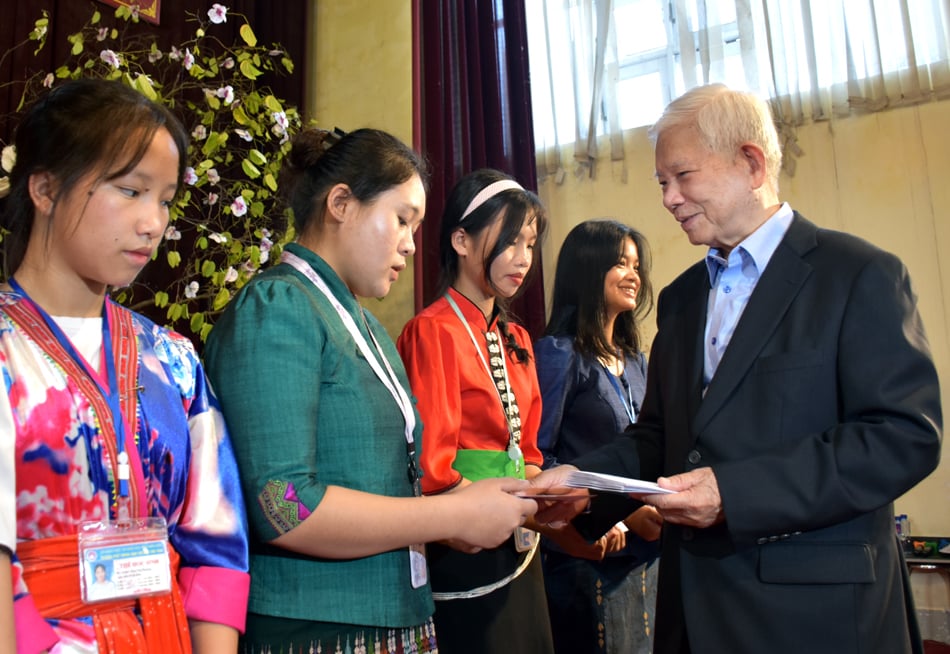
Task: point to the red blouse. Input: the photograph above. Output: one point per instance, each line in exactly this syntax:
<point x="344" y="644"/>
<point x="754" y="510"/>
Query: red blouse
<point x="457" y="399"/>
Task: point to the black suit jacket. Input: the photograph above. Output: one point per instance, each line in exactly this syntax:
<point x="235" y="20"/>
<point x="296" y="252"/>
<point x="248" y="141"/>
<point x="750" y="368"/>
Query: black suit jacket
<point x="824" y="408"/>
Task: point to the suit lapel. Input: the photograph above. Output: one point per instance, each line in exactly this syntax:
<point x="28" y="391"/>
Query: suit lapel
<point x="778" y="286"/>
<point x="691" y="336"/>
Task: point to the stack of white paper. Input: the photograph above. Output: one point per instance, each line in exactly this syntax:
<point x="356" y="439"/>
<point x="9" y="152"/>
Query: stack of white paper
<point x="612" y="483"/>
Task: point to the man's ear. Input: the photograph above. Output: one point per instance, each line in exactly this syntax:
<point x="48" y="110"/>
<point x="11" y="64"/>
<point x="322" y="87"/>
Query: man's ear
<point x="43" y="190"/>
<point x="338" y="198"/>
<point x="754" y="158"/>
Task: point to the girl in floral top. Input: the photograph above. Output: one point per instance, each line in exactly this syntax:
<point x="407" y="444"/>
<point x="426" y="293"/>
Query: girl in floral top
<point x="120" y="452"/>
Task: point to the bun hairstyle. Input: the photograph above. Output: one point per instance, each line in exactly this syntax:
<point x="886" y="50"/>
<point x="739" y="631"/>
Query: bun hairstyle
<point x="368" y="161"/>
<point x="464" y="209"/>
<point x="87" y="126"/>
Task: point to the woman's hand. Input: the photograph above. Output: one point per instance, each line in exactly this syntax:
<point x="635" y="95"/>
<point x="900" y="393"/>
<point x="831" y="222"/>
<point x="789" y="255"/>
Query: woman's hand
<point x="646" y="522"/>
<point x="614" y="540"/>
<point x="489" y="510"/>
<point x="569" y="540"/>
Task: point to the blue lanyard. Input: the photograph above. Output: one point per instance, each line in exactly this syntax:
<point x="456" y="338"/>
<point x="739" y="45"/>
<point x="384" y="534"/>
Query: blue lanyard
<point x="110" y="393"/>
<point x="626" y="401"/>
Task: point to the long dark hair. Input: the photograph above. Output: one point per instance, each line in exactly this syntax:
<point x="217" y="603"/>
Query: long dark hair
<point x="368" y="161"/>
<point x="84" y="126"/>
<point x="579" y="307"/>
<point x="517" y="207"/>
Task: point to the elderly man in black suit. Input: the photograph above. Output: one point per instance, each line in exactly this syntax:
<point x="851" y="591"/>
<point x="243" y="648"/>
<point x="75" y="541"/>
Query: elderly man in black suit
<point x="791" y="397"/>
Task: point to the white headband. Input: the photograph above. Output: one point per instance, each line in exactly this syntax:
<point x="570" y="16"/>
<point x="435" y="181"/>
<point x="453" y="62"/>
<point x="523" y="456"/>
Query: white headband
<point x="489" y="192"/>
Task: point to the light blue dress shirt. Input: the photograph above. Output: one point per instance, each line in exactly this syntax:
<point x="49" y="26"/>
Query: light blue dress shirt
<point x="732" y="281"/>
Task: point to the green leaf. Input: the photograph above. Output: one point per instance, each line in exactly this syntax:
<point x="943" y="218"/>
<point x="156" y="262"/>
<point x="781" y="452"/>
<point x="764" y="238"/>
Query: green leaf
<point x="144" y="85"/>
<point x="221" y="299"/>
<point x="239" y="116"/>
<point x="257" y="157"/>
<point x="174" y="258"/>
<point x="272" y="104"/>
<point x="161" y="299"/>
<point x="248" y="35"/>
<point x="271" y="182"/>
<point x="248" y="69"/>
<point x="250" y="169"/>
<point x="207" y="268"/>
<point x="197" y="321"/>
<point x="213" y="143"/>
<point x="288" y="64"/>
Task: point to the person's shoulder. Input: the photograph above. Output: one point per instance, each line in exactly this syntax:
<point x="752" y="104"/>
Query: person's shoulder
<point x="162" y="338"/>
<point x="436" y="309"/>
<point x="810" y="239"/>
<point x="277" y="289"/>
<point x="435" y="318"/>
<point x="696" y="273"/>
<point x="554" y="345"/>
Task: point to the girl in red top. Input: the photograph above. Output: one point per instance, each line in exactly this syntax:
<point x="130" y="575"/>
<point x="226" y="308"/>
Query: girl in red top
<point x="472" y="371"/>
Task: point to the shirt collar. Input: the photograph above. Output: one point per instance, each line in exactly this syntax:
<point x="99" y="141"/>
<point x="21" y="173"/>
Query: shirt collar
<point x="757" y="248"/>
<point x="471" y="311"/>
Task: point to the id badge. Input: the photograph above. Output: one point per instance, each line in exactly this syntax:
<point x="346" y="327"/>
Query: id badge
<point x="418" y="572"/>
<point x="124" y="559"/>
<point x="524" y="539"/>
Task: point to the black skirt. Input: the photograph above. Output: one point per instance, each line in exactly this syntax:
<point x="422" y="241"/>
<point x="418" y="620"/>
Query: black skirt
<point x="513" y="618"/>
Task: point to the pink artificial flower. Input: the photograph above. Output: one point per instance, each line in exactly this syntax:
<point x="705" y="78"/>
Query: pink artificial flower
<point x="226" y="93"/>
<point x="238" y="207"/>
<point x="218" y="14"/>
<point x="110" y="58"/>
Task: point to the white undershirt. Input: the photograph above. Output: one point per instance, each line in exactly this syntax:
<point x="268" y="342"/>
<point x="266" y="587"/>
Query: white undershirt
<point x="85" y="335"/>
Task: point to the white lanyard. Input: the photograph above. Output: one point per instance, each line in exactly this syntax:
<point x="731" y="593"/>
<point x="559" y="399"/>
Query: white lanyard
<point x="390" y="381"/>
<point x="513" y="442"/>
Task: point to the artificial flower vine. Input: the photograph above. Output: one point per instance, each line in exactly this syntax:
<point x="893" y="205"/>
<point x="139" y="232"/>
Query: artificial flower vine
<point x="228" y="222"/>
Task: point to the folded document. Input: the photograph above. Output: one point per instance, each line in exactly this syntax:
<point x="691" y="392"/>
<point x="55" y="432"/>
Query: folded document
<point x="612" y="483"/>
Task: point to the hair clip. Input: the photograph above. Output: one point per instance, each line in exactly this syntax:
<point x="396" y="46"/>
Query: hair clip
<point x="333" y="137"/>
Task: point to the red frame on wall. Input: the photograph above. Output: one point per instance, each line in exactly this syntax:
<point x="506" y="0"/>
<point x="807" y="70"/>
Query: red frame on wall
<point x="149" y="10"/>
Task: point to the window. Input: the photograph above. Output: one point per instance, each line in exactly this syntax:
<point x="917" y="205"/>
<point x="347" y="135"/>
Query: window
<point x="817" y="57"/>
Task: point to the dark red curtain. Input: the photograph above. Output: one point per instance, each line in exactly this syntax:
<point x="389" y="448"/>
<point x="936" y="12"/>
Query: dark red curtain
<point x="473" y="109"/>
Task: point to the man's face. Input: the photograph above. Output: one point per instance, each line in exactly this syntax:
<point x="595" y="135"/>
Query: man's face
<point x="711" y="196"/>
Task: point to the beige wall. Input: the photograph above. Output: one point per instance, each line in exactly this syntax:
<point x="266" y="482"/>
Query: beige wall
<point x="363" y="78"/>
<point x="885" y="177"/>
